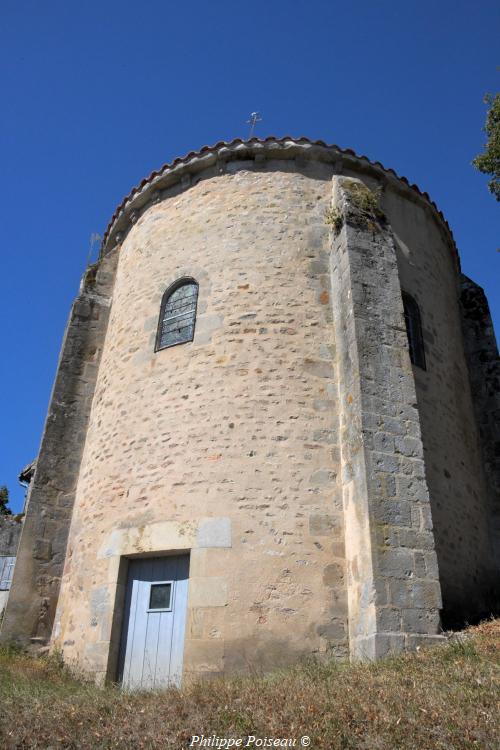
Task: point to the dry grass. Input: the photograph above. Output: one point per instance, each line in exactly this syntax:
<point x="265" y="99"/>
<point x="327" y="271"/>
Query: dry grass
<point x="444" y="698"/>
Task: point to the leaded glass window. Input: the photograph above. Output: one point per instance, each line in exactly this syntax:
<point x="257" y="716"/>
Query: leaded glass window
<point x="177" y="314"/>
<point x="414" y="330"/>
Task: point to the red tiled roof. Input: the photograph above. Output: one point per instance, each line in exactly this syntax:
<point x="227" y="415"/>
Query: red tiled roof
<point x="259" y="142"/>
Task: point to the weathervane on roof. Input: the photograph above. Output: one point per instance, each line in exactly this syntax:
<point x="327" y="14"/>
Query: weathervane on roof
<point x="254" y="119"/>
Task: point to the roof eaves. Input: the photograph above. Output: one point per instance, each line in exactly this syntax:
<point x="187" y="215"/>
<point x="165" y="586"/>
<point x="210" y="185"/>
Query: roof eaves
<point x="223" y="148"/>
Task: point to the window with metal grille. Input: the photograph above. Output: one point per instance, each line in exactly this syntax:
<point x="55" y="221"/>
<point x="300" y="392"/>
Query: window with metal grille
<point x="6" y="571"/>
<point x="177" y="314"/>
<point x="414" y="330"/>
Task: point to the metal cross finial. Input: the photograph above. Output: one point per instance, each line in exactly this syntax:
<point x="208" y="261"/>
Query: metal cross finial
<point x="254" y="119"/>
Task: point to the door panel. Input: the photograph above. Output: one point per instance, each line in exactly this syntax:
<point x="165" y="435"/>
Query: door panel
<point x="153" y="629"/>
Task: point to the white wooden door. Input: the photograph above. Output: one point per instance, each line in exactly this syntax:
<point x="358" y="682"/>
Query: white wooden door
<point x="154" y="622"/>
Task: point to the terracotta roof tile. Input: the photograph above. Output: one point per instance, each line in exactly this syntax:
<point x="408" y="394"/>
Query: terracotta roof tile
<point x="269" y="139"/>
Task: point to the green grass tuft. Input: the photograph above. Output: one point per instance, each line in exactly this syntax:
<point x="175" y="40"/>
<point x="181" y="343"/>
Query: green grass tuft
<point x="441" y="698"/>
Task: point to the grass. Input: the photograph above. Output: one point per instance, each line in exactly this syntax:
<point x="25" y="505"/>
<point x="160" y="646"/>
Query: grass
<point x="364" y="206"/>
<point x="334" y="218"/>
<point x="443" y="698"/>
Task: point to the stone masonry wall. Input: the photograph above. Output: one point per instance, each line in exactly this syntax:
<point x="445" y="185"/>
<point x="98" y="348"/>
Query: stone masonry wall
<point x="35" y="587"/>
<point x="227" y="446"/>
<point x="453" y="457"/>
<point x="10" y="531"/>
<point x="393" y="582"/>
<point x="484" y="370"/>
<point x="282" y="448"/>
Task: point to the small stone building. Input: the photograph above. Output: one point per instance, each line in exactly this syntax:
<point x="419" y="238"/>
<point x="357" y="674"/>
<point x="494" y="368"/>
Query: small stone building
<point x="274" y="427"/>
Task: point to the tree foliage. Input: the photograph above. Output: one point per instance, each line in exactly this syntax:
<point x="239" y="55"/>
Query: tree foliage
<point x="489" y="161"/>
<point x="4" y="501"/>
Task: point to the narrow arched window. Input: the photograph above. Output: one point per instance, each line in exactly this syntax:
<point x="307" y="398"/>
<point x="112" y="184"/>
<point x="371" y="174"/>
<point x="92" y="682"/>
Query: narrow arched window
<point x="414" y="330"/>
<point x="177" y="314"/>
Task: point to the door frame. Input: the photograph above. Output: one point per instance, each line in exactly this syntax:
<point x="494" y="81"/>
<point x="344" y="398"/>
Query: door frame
<point x="112" y="676"/>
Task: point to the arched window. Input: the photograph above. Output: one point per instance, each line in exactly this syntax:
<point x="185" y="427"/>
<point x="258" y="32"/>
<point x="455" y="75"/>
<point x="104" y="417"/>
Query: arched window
<point x="177" y="314"/>
<point x="414" y="330"/>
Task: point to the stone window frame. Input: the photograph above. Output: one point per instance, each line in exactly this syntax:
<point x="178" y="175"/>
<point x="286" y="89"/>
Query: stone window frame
<point x="413" y="322"/>
<point x="169" y="291"/>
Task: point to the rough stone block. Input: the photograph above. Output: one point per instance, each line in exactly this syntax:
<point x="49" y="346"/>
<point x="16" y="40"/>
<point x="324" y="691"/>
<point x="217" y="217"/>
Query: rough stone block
<point x="333" y="575"/>
<point x="395" y="563"/>
<point x="323" y="477"/>
<point x="393" y="512"/>
<point x="204" y="656"/>
<point x="420" y="621"/>
<point x="379" y="646"/>
<point x="389" y="619"/>
<point x="42" y="549"/>
<point x="208" y="592"/>
<point x="214" y="532"/>
<point x="414" y="641"/>
<point x="334" y="630"/>
<point x="325" y="525"/>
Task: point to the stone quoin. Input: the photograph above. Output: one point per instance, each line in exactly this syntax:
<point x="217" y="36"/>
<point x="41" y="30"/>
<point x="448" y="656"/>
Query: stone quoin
<point x="311" y="467"/>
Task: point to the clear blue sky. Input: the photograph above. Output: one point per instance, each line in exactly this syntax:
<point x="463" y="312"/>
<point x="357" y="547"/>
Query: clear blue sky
<point x="96" y="95"/>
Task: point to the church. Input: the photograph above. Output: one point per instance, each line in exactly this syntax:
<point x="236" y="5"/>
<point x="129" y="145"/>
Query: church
<point x="274" y="428"/>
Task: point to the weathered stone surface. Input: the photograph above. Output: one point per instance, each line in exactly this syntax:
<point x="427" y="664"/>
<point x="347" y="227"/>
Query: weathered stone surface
<point x="214" y="532"/>
<point x="376" y="387"/>
<point x="208" y="592"/>
<point x="325" y="525"/>
<point x="483" y="364"/>
<point x="42" y="550"/>
<point x="283" y="448"/>
<point x="450" y="395"/>
<point x="10" y="533"/>
<point x="202" y="447"/>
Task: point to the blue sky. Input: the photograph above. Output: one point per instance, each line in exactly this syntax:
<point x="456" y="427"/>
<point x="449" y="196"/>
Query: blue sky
<point x="98" y="94"/>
